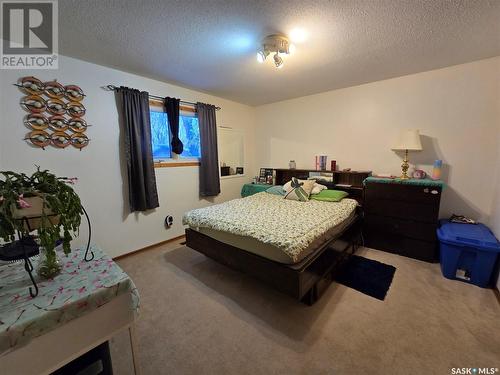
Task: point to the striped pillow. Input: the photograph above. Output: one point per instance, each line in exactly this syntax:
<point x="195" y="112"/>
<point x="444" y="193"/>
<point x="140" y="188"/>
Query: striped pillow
<point x="300" y="190"/>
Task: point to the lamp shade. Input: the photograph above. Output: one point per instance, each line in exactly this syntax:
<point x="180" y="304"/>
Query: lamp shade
<point x="409" y="139"/>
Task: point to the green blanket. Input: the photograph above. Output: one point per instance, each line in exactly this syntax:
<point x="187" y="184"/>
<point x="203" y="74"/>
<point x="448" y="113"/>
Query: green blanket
<point x="411" y="181"/>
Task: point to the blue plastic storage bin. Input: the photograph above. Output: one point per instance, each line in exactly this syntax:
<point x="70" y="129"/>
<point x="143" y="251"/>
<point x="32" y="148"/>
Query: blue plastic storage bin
<point x="468" y="252"/>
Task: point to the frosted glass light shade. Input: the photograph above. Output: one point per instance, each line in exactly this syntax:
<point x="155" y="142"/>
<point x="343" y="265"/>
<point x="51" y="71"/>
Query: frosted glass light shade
<point x="409" y="139"/>
<point x="260" y="57"/>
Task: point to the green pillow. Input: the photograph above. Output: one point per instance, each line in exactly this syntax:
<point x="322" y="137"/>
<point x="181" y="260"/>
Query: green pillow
<point x="329" y="195"/>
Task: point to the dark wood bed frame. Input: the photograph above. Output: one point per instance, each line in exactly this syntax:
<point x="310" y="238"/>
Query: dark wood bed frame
<point x="305" y="281"/>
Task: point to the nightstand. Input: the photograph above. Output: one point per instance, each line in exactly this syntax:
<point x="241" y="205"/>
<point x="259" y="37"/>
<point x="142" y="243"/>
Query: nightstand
<point x="401" y="216"/>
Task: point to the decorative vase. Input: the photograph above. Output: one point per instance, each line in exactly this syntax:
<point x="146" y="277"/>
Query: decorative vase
<point x="436" y="171"/>
<point x="48" y="264"/>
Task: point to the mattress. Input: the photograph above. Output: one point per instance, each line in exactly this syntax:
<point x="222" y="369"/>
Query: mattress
<point x="268" y="225"/>
<point x="270" y="251"/>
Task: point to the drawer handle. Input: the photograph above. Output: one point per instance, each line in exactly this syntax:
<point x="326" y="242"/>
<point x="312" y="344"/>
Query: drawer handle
<point x="426" y="190"/>
<point x="434" y="192"/>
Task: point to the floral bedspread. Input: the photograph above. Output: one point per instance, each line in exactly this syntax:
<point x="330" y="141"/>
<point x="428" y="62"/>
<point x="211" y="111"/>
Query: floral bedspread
<point x="80" y="288"/>
<point x="287" y="224"/>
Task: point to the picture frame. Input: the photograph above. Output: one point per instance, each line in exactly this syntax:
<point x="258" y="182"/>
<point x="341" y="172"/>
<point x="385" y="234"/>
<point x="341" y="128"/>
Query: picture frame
<point x="239" y="170"/>
<point x="266" y="175"/>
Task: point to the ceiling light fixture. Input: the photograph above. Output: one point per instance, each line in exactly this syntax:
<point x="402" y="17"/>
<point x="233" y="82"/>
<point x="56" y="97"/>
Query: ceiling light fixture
<point x="298" y="35"/>
<point x="277" y="44"/>
<point x="261" y="56"/>
<point x="278" y="61"/>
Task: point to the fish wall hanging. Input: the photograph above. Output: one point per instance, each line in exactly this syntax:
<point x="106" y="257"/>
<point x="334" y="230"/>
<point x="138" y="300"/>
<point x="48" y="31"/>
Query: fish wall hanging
<point x="55" y="113"/>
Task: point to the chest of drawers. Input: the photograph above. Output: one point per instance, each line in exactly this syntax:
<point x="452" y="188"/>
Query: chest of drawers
<point x="402" y="217"/>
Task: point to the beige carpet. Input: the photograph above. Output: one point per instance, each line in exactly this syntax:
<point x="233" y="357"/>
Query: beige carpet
<point x="199" y="317"/>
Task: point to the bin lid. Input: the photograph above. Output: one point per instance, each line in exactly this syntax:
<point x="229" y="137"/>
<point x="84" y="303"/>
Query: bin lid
<point x="472" y="235"/>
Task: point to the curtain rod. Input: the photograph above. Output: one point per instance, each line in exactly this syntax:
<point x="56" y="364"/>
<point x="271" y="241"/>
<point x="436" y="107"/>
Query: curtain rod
<point x="114" y="88"/>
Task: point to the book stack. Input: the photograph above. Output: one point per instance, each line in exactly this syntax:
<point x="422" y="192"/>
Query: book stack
<point x="321" y="162"/>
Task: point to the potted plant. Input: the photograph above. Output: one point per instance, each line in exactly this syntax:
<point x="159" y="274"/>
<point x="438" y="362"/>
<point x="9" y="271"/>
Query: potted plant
<point x="42" y="202"/>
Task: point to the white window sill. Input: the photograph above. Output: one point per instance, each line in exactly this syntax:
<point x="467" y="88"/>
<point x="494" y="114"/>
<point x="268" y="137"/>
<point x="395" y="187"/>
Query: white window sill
<point x="231" y="176"/>
<point x="171" y="163"/>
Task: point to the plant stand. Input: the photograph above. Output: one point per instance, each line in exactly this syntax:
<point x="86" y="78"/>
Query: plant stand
<point x="22" y="250"/>
<point x="44" y="203"/>
<point x="26" y="248"/>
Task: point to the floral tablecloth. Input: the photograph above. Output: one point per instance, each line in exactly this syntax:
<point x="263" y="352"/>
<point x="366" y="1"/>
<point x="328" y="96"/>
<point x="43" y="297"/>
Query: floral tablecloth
<point x="80" y="288"/>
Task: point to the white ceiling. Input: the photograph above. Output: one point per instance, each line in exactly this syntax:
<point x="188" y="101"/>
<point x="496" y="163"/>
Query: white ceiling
<point x="211" y="45"/>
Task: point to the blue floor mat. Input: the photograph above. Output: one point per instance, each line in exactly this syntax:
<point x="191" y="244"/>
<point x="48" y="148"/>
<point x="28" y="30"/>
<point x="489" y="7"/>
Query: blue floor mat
<point x="366" y="276"/>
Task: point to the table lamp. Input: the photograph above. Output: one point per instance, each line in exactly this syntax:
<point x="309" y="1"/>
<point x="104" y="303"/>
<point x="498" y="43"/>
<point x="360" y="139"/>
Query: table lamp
<point x="409" y="140"/>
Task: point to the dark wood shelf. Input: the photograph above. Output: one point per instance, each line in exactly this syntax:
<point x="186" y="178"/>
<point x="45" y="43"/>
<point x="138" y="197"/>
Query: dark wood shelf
<point x="353" y="178"/>
<point x="351" y="187"/>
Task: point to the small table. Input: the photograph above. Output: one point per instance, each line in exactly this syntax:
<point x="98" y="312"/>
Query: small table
<point x="82" y="307"/>
<point x="251" y="189"/>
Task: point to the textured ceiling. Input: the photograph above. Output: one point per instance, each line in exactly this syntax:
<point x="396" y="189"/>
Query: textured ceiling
<point x="210" y="45"/>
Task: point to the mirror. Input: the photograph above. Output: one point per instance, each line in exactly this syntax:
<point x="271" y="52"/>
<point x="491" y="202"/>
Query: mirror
<point x="231" y="152"/>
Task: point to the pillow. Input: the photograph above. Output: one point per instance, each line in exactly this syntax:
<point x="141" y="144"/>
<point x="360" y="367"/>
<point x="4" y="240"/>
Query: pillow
<point x="330" y="195"/>
<point x="300" y="190"/>
<point x="288" y="186"/>
<point x="276" y="190"/>
<point x="316" y="187"/>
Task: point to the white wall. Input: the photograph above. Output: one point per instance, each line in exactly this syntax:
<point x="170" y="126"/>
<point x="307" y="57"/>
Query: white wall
<point x="455" y="108"/>
<point x="495" y="216"/>
<point x="98" y="166"/>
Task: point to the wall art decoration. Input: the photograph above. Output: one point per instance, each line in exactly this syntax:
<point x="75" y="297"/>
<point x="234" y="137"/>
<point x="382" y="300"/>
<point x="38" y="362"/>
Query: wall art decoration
<point x="36" y="121"/>
<point x="60" y="139"/>
<point x="75" y="109"/>
<point x="78" y="125"/>
<point x="79" y="140"/>
<point x="54" y="90"/>
<point x="74" y="93"/>
<point x="55" y="113"/>
<point x="31" y="85"/>
<point x="56" y="107"/>
<point x="39" y="138"/>
<point x="34" y="104"/>
<point x="58" y="123"/>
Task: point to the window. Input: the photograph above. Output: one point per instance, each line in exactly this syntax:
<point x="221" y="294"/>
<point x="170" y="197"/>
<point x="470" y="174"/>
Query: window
<point x="189" y="134"/>
<point x="160" y="135"/>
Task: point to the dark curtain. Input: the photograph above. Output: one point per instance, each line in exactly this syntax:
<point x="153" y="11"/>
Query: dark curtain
<point x="209" y="163"/>
<point x="142" y="192"/>
<point x="172" y="109"/>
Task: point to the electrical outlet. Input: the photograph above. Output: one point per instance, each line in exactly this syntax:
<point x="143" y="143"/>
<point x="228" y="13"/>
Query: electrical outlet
<point x="169" y="220"/>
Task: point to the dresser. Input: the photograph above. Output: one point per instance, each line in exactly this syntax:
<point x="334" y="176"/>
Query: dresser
<point x="401" y="216"/>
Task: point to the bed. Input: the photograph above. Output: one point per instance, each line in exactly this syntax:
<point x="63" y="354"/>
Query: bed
<point x="293" y="246"/>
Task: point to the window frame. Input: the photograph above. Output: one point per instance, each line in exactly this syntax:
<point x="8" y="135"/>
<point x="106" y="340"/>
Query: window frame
<point x="176" y="160"/>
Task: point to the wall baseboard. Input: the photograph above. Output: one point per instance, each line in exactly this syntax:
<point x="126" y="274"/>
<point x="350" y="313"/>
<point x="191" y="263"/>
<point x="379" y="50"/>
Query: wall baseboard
<point x="134" y="252"/>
